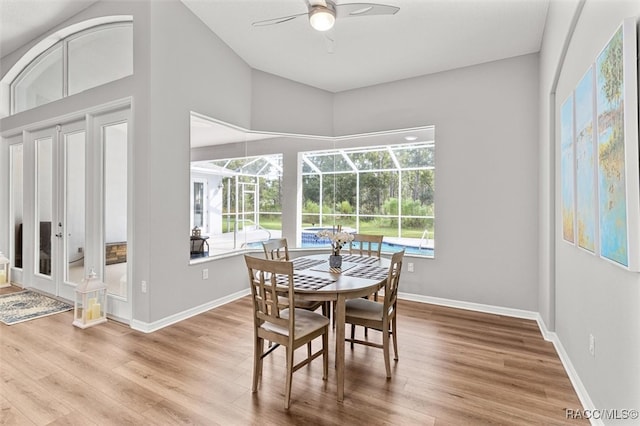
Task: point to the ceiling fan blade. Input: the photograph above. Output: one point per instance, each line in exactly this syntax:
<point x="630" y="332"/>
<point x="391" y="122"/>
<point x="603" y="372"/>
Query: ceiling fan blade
<point x="364" y="9"/>
<point x="275" y="21"/>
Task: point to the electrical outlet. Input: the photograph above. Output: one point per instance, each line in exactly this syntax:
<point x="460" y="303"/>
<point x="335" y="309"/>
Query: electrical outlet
<point x="592" y="345"/>
<point x="410" y="267"/>
<point x="143" y="286"/>
<point x="205" y="274"/>
<point x="80" y="250"/>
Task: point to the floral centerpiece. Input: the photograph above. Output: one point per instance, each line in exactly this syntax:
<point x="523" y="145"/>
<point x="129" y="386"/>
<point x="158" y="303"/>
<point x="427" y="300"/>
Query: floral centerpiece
<point x="338" y="240"/>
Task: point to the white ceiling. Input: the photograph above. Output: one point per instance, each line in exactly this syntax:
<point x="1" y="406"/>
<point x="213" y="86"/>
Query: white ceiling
<point x="24" y="20"/>
<point x="424" y="37"/>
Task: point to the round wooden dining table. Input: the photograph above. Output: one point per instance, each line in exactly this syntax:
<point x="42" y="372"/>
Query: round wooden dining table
<point x="357" y="278"/>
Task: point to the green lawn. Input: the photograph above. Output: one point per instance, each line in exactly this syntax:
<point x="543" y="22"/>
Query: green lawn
<point x="372" y="227"/>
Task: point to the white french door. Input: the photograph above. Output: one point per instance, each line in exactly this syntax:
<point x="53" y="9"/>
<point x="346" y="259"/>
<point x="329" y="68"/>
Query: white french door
<point x="58" y="216"/>
<point x="79" y="216"/>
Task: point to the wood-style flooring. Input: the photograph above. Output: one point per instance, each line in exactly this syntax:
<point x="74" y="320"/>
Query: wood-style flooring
<point x="456" y="367"/>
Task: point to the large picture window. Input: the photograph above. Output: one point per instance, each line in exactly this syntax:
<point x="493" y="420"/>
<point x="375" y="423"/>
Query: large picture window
<point x="249" y="187"/>
<point x="385" y="190"/>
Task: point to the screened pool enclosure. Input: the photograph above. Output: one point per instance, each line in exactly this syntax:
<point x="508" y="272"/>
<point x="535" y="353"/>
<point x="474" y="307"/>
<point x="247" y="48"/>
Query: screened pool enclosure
<point x="237" y="203"/>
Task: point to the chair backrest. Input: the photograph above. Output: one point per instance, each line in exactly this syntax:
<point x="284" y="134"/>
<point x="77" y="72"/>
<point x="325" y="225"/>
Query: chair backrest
<point x="272" y="291"/>
<point x="393" y="280"/>
<point x="277" y="249"/>
<point x="366" y="245"/>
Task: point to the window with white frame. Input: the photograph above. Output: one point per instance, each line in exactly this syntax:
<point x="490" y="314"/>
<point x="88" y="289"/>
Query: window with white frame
<point x="80" y="61"/>
<point x="386" y="190"/>
<point x="241" y="199"/>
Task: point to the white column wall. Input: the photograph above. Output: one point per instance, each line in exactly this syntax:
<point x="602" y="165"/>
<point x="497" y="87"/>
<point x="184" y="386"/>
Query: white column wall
<point x="592" y="296"/>
<point x="191" y="70"/>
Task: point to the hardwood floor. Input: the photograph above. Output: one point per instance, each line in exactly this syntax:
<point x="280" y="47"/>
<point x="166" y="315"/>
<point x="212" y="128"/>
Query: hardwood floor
<point x="456" y="367"/>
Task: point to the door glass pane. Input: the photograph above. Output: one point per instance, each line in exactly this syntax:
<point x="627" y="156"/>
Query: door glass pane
<point x="74" y="206"/>
<point x="40" y="82"/>
<point x="16" y="202"/>
<point x="99" y="57"/>
<point x="44" y="192"/>
<point x="198" y="204"/>
<point x="115" y="205"/>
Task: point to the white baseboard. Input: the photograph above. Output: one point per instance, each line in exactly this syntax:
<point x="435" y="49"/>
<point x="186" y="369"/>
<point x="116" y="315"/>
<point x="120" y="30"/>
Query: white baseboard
<point x="147" y="327"/>
<point x="549" y="336"/>
<point x="489" y="309"/>
<point x="578" y="386"/>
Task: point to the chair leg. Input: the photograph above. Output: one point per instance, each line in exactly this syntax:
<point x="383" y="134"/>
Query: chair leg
<point x="395" y="340"/>
<point x="353" y="334"/>
<point x="333" y="314"/>
<point x="287" y="389"/>
<point x="385" y="348"/>
<point x="325" y="355"/>
<point x="257" y="362"/>
<point x="309" y="350"/>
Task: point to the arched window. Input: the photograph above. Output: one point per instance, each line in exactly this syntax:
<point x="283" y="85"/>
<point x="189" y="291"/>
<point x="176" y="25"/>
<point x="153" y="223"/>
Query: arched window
<point x="87" y="57"/>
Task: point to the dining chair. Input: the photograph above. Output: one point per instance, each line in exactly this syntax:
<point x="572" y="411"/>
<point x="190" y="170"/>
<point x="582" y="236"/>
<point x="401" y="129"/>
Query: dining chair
<point x="273" y="296"/>
<point x="379" y="316"/>
<point x="278" y="249"/>
<point x="366" y="245"/>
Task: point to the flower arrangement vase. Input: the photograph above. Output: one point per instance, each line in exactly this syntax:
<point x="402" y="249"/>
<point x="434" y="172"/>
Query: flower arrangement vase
<point x="335" y="261"/>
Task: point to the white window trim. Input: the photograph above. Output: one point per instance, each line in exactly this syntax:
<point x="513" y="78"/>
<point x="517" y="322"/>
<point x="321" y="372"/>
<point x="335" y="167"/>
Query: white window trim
<point x="6" y="107"/>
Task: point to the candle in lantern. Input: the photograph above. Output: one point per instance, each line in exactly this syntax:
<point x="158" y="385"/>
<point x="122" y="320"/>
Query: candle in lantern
<point x="95" y="311"/>
<point x="90" y="303"/>
<point x="89" y="309"/>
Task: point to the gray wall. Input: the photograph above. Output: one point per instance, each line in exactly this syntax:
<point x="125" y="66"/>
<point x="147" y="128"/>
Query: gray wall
<point x="592" y="296"/>
<point x="486" y="170"/>
<point x="486" y="175"/>
<point x="300" y="108"/>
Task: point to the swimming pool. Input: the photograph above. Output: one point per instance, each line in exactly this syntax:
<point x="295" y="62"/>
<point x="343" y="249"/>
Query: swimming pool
<point x="310" y="239"/>
<point x="386" y="248"/>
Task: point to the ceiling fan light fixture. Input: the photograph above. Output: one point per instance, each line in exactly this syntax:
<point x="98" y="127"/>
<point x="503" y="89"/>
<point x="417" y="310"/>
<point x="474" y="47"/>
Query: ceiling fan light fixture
<point x="322" y="18"/>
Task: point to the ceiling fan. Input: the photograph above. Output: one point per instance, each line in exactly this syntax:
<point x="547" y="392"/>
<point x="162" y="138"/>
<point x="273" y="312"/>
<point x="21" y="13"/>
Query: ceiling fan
<point x="323" y="13"/>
